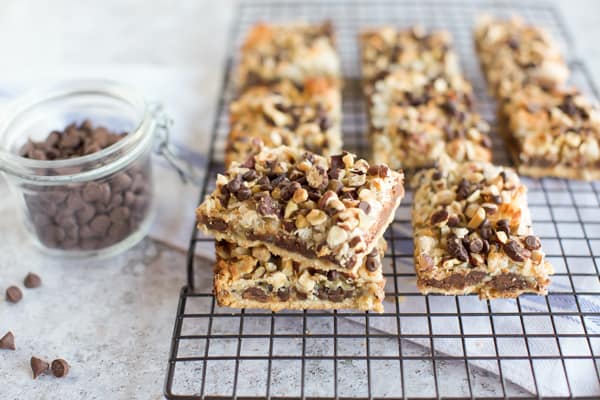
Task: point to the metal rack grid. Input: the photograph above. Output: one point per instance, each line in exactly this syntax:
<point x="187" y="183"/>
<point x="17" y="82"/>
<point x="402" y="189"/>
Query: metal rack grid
<point x="422" y="346"/>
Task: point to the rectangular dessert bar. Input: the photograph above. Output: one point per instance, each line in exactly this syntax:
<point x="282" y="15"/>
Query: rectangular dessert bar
<point x="552" y="132"/>
<point x="328" y="211"/>
<point x="513" y="54"/>
<point x="472" y="233"/>
<point x="292" y="52"/>
<point x="386" y="49"/>
<point x="255" y="278"/>
<point x="420" y="106"/>
<point x="415" y="121"/>
<point x="306" y="116"/>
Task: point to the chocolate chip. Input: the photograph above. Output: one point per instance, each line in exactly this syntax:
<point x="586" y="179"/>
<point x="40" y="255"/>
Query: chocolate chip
<point x="234" y="185"/>
<point x="337" y="162"/>
<point x="267" y="206"/>
<point x="439" y="216"/>
<point x="336" y="295"/>
<point x="354" y="241"/>
<point x="85" y="214"/>
<point x="95" y="191"/>
<point x="372" y="263"/>
<point x="7" y="342"/>
<point x="486" y="247"/>
<point x="32" y="281"/>
<point x="485" y="229"/>
<point x="60" y="368"/>
<point x="503" y="225"/>
<point x="333" y="275"/>
<point x="288" y="190"/>
<point x="38" y="366"/>
<point x="453" y="221"/>
<point x="283" y="293"/>
<point x="456" y="249"/>
<point x="13" y="294"/>
<point x="249" y="163"/>
<point x="463" y="190"/>
<point x="365" y="207"/>
<point x="100" y="224"/>
<point x="437" y="175"/>
<point x="244" y="193"/>
<point x="514" y="250"/>
<point x="121" y="182"/>
<point x="250" y="175"/>
<point x="532" y="242"/>
<point x="475" y="245"/>
<point x="378" y="170"/>
<point x="254" y="293"/>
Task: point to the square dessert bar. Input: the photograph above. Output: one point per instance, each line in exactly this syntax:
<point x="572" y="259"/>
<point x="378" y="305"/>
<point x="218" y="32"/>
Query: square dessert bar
<point x="386" y="49"/>
<point x="306" y="116"/>
<point x="255" y="278"/>
<point x="293" y="52"/>
<point x="415" y="120"/>
<point x="327" y="211"/>
<point x="552" y="132"/>
<point x="472" y="233"/>
<point x="513" y="53"/>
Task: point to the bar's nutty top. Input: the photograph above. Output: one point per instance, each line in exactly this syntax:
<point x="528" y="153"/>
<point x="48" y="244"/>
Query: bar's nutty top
<point x="331" y="210"/>
<point x="554" y="127"/>
<point x="514" y="53"/>
<point x="256" y="274"/>
<point x="304" y="116"/>
<point x="471" y="224"/>
<point x="386" y="49"/>
<point x="291" y="51"/>
<point x="415" y="120"/>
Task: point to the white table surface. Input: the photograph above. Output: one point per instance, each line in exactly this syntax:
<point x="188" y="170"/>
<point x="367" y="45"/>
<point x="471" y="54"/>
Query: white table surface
<point x="112" y="320"/>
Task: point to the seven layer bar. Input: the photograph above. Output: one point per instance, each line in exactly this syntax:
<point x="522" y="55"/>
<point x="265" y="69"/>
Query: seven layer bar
<point x="550" y="130"/>
<point x="326" y="213"/>
<point x="420" y="106"/>
<point x="472" y="233"/>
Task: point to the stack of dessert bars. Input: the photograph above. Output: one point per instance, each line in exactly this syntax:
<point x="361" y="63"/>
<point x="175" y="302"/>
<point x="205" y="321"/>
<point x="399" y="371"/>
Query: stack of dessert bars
<point x="299" y="223"/>
<point x="471" y="224"/>
<point x="550" y="129"/>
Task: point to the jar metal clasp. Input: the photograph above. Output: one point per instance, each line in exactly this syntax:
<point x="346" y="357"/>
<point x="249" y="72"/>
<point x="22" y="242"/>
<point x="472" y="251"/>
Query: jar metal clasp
<point x="185" y="170"/>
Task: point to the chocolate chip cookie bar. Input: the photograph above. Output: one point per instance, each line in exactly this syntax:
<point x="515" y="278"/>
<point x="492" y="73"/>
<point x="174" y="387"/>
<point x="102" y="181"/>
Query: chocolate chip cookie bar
<point x="420" y="106"/>
<point x="385" y="50"/>
<point x="513" y="53"/>
<point x="288" y="52"/>
<point x="552" y="132"/>
<point x="304" y="116"/>
<point x="327" y="211"/>
<point x="472" y="233"/>
<point x="415" y="121"/>
<point x="255" y="278"/>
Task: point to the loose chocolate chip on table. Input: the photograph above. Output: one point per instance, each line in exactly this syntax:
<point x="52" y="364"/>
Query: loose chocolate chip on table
<point x="456" y="249"/>
<point x="532" y="242"/>
<point x="38" y="366"/>
<point x="32" y="281"/>
<point x="60" y="368"/>
<point x="13" y="294"/>
<point x="7" y="342"/>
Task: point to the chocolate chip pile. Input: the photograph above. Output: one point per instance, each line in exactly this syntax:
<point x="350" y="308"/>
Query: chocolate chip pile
<point x="90" y="215"/>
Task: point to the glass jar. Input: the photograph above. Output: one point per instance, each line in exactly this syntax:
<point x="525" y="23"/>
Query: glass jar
<point x="94" y="205"/>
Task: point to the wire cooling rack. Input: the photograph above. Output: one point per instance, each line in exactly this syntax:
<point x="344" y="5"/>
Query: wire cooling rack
<point x="422" y="346"/>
